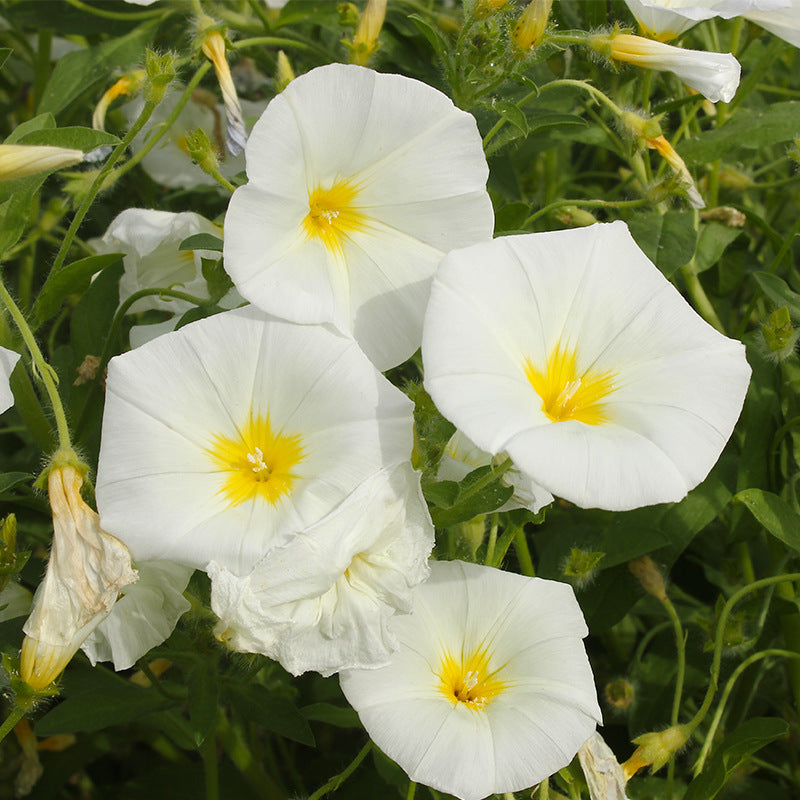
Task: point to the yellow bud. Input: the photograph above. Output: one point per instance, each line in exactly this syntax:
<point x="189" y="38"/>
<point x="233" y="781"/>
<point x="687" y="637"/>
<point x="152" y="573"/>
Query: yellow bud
<point x="284" y="74"/>
<point x="655" y="749"/>
<point x="365" y="42"/>
<point x="532" y="24"/>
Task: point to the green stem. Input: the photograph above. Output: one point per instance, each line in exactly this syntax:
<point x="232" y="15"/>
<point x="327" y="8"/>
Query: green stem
<point x="503" y="543"/>
<point x="163" y="128"/>
<point x="222" y="181"/>
<point x="337" y="780"/>
<point x="718" y="640"/>
<point x="680" y="645"/>
<point x="242" y="757"/>
<point x="106" y="14"/>
<point x="17" y="713"/>
<point x="98" y="182"/>
<point x="42" y="65"/>
<point x="490" y="545"/>
<point x="712" y="728"/>
<point x="208" y="750"/>
<point x="44" y="370"/>
<point x="586" y="204"/>
<point x="523" y="553"/>
<point x="699" y="297"/>
<point x="412" y="790"/>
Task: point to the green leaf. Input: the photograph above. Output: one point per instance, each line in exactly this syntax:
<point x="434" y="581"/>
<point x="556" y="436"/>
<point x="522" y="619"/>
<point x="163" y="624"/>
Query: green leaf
<point x="735" y="749"/>
<point x="71" y="279"/>
<point x="40" y="122"/>
<point x="81" y="70"/>
<point x="777" y="290"/>
<point x="747" y="129"/>
<point x="271" y="712"/>
<point x="512" y="114"/>
<point x="201" y="241"/>
<point x="332" y="715"/>
<point x="774" y="514"/>
<point x="99" y="701"/>
<point x="713" y="240"/>
<point x="5" y="52"/>
<point x="92" y="316"/>
<point x="8" y="480"/>
<point x="431" y="430"/>
<point x="203" y="699"/>
<point x="217" y="280"/>
<point x="15" y="212"/>
<point x="478" y="493"/>
<point x="74" y="138"/>
<point x="668" y="240"/>
<point x="436" y="40"/>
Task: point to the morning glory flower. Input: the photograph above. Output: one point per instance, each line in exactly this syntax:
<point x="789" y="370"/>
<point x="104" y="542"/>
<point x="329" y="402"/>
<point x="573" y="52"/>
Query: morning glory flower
<point x="222" y="438"/>
<point x="8" y="360"/>
<point x="490" y="690"/>
<point x="359" y="183"/>
<point x="323" y="600"/>
<point x="667" y="19"/>
<point x="783" y="22"/>
<point x="576" y="356"/>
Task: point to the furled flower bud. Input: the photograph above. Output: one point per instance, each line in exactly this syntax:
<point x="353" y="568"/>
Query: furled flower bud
<point x="648" y="574"/>
<point x="127" y="85"/>
<point x="779" y="335"/>
<point x="655" y="749"/>
<point x="531" y="26"/>
<point x="160" y="72"/>
<point x="684" y="177"/>
<point x="284" y="74"/>
<point x="20" y="160"/>
<point x="86" y="570"/>
<point x="365" y="42"/>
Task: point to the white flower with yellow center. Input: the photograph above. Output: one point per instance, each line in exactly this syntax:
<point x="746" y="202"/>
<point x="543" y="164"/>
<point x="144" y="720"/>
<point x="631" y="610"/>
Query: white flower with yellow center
<point x="222" y="438"/>
<point x="150" y="242"/>
<point x="667" y="19"/>
<point x="323" y="600"/>
<point x="490" y="690"/>
<point x="8" y="360"/>
<point x="359" y="183"/>
<point x="143" y="617"/>
<point x="575" y="356"/>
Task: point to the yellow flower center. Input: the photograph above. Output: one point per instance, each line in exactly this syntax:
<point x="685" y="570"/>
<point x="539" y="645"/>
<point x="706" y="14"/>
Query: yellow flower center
<point x="333" y="214"/>
<point x="469" y="680"/>
<point x="566" y="394"/>
<point x="258" y="463"/>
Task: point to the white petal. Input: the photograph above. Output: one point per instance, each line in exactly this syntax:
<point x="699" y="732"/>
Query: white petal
<point x="784" y="22"/>
<point x="8" y="360"/>
<point x="143" y="617"/>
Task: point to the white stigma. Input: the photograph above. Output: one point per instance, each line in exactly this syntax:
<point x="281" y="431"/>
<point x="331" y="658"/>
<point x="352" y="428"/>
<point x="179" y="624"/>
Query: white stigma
<point x="329" y="214"/>
<point x="470" y="680"/>
<point x="257" y="460"/>
<point x="567" y="392"/>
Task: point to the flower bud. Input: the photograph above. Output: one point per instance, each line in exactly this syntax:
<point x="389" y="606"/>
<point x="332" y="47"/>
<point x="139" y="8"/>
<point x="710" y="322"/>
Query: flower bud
<point x="575" y="217"/>
<point x="732" y="178"/>
<point x="655" y="749"/>
<point x="532" y="24"/>
<point x="486" y="8"/>
<point x="640" y="127"/>
<point x="201" y="151"/>
<point x="127" y="85"/>
<point x="581" y="565"/>
<point x="160" y="72"/>
<point x="365" y="42"/>
<point x="620" y="694"/>
<point x="21" y="160"/>
<point x="649" y="575"/>
<point x="284" y="74"/>
<point x="779" y="335"/>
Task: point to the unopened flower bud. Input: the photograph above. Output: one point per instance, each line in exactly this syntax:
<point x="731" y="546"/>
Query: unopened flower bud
<point x="575" y="217"/>
<point x="127" y="85"/>
<point x="365" y="42"/>
<point x="284" y="74"/>
<point x="348" y="14"/>
<point x="732" y="178"/>
<point x="21" y="160"/>
<point x="485" y="8"/>
<point x="530" y="27"/>
<point x="200" y="149"/>
<point x="581" y="565"/>
<point x="655" y="749"/>
<point x="649" y="575"/>
<point x="779" y="335"/>
<point x="640" y="127"/>
<point x="620" y="694"/>
<point x="160" y="72"/>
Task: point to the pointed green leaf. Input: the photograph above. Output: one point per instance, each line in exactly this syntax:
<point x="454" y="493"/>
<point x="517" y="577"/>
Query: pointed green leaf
<point x="774" y="514"/>
<point x="668" y="240"/>
<point x="201" y="241"/>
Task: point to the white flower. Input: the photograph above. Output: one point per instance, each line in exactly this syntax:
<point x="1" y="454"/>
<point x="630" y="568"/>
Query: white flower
<point x="461" y="456"/>
<point x="8" y="360"/>
<point x="222" y="438"/>
<point x="602" y="771"/>
<point x="359" y="182"/>
<point x="150" y="240"/>
<point x="667" y="19"/>
<point x="324" y="599"/>
<point x="143" y="617"/>
<point x="714" y="75"/>
<point x="579" y="359"/>
<point x="85" y="573"/>
<point x="21" y="160"/>
<point x="783" y="22"/>
<point x="490" y="691"/>
<point x="169" y="163"/>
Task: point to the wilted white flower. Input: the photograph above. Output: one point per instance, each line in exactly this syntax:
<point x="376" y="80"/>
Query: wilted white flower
<point x="359" y="182"/>
<point x="143" y="617"/>
<point x="222" y="438"/>
<point x="8" y="360"/>
<point x="667" y="19"/>
<point x="576" y="356"/>
<point x="714" y="75"/>
<point x="324" y="599"/>
<point x="86" y="571"/>
<point x="602" y="771"/>
<point x="461" y="456"/>
<point x="490" y="690"/>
